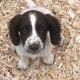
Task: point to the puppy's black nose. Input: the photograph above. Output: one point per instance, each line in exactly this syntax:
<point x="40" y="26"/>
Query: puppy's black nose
<point x="34" y="46"/>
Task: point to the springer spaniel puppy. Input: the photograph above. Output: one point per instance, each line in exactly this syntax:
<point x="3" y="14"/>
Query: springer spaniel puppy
<point x="30" y="31"/>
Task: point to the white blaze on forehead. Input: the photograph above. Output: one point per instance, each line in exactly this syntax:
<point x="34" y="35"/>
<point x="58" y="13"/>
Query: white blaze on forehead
<point x="33" y="22"/>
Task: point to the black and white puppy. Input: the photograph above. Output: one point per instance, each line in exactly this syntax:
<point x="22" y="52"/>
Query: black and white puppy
<point x="29" y="33"/>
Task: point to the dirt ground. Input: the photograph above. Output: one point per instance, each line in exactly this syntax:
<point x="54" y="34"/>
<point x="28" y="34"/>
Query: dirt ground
<point x="67" y="60"/>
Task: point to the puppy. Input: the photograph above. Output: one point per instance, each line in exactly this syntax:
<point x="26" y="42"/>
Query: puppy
<point x="33" y="32"/>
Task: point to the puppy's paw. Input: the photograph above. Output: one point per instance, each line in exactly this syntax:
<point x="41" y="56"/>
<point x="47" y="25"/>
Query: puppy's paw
<point x="49" y="59"/>
<point x="22" y="65"/>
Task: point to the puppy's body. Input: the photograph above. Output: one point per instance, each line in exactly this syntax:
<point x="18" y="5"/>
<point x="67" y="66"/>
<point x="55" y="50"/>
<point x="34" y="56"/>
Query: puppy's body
<point x="29" y="32"/>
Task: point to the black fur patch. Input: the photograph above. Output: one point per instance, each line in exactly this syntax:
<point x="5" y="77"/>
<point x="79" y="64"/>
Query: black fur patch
<point x="54" y="28"/>
<point x="14" y="29"/>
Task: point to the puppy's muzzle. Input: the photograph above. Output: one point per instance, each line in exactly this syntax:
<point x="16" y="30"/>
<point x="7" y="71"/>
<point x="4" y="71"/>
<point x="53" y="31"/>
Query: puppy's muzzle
<point x="34" y="46"/>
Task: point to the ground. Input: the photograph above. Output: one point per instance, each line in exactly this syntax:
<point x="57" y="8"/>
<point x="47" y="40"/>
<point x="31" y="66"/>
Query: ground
<point x="67" y="58"/>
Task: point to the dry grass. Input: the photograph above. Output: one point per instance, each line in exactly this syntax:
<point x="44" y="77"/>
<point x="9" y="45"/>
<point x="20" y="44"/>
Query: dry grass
<point x="67" y="61"/>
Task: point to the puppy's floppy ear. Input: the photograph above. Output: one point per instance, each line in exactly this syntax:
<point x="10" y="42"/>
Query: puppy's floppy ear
<point x="54" y="28"/>
<point x="14" y="29"/>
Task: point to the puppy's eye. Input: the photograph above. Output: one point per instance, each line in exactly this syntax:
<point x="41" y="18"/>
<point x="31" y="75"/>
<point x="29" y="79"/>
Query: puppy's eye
<point x="25" y="29"/>
<point x="43" y="28"/>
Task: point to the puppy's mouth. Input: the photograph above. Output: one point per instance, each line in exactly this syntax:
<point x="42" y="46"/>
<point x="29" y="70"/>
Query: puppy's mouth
<point x="35" y="51"/>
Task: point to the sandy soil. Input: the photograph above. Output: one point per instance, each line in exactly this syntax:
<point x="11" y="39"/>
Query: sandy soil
<point x="67" y="60"/>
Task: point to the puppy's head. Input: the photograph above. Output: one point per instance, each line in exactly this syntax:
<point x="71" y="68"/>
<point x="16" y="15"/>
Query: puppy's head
<point x="31" y="29"/>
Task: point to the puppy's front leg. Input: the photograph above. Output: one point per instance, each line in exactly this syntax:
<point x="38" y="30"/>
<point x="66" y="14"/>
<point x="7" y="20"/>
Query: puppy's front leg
<point x="49" y="59"/>
<point x="23" y="62"/>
